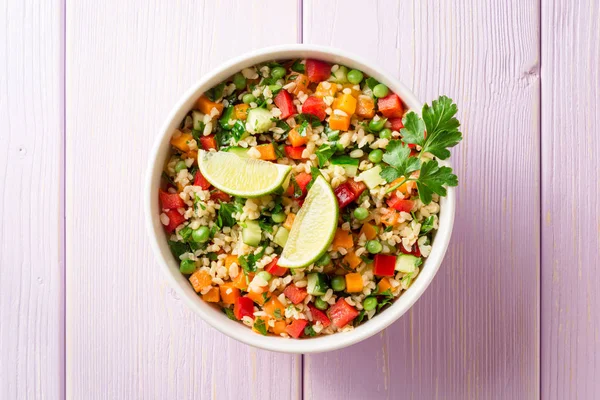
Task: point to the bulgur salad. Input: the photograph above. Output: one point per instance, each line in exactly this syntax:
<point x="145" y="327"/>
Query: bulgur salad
<point x="301" y="198"/>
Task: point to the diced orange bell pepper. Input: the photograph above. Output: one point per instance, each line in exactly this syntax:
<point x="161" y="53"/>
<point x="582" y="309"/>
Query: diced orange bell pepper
<point x="181" y="142"/>
<point x="193" y="154"/>
<point x="229" y="293"/>
<point x="205" y="105"/>
<point x="370" y="231"/>
<point x="301" y="82"/>
<point x="321" y="91"/>
<point x="259" y="297"/>
<point x="354" y="283"/>
<point x="339" y="122"/>
<point x="230" y="259"/>
<point x="242" y="280"/>
<point x="274" y="308"/>
<point x="267" y="152"/>
<point x="355" y="93"/>
<point x="343" y="239"/>
<point x="405" y="188"/>
<point x="279" y="327"/>
<point x="200" y="279"/>
<point x="384" y="285"/>
<point x="345" y="102"/>
<point x="289" y="221"/>
<point x="352" y="259"/>
<point x="241" y="111"/>
<point x="295" y="138"/>
<point x="389" y="217"/>
<point x="212" y="296"/>
<point x="365" y="107"/>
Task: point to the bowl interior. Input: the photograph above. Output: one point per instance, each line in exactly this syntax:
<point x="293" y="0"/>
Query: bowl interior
<point x="213" y="315"/>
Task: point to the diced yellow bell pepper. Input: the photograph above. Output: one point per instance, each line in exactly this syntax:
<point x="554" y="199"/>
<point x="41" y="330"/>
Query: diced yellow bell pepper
<point x="181" y="142"/>
<point x="321" y="91"/>
<point x="339" y="122"/>
<point x="354" y="283"/>
<point x="241" y="111"/>
<point x="345" y="102"/>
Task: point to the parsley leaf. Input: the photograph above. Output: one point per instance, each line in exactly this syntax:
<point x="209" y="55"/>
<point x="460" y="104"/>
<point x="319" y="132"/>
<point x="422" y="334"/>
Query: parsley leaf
<point x="248" y="262"/>
<point x="216" y="92"/>
<point x="309" y="331"/>
<point x="311" y="119"/>
<point x="225" y="215"/>
<point x="359" y="319"/>
<point x="178" y="248"/>
<point x="260" y="326"/>
<point x="297" y="66"/>
<point x="371" y="82"/>
<point x="398" y="156"/>
<point x="432" y="180"/>
<point x="277" y="313"/>
<point x="324" y="153"/>
<point x="315" y="173"/>
<point x="297" y="188"/>
<point x="230" y="313"/>
<point x="427" y="225"/>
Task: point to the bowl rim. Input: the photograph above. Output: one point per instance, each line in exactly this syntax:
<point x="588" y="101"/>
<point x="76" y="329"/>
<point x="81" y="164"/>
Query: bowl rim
<point x="216" y="318"/>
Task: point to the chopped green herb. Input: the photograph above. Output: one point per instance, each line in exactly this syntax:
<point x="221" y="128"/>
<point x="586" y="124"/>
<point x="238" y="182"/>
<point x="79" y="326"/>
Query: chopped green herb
<point x="277" y="313"/>
<point x="309" y="331"/>
<point x="311" y="119"/>
<point x="229" y="313"/>
<point x="260" y="326"/>
<point x="178" y="248"/>
<point x="238" y="130"/>
<point x="427" y="225"/>
<point x="216" y="92"/>
<point x="359" y="319"/>
<point x="324" y="153"/>
<point x="225" y="214"/>
<point x="297" y="66"/>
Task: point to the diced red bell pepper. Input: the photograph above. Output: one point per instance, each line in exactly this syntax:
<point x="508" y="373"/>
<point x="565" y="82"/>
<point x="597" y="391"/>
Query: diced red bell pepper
<point x="319" y="315"/>
<point x="284" y="102"/>
<point x="414" y="251"/>
<point x="391" y="106"/>
<point x="275" y="269"/>
<point x="315" y="106"/>
<point x="400" y="204"/>
<point x="295" y="294"/>
<point x="170" y="201"/>
<point x="244" y="307"/>
<point x="396" y="123"/>
<point x="342" y="313"/>
<point x="295" y="153"/>
<point x="317" y="70"/>
<point x="209" y="142"/>
<point x="344" y="194"/>
<point x="200" y="180"/>
<point x="218" y="195"/>
<point x="175" y="219"/>
<point x="384" y="265"/>
<point x="356" y="187"/>
<point x="296" y="328"/>
<point x="302" y="179"/>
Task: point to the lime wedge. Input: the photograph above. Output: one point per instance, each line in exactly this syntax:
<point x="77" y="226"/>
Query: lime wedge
<point x="313" y="228"/>
<point x="243" y="177"/>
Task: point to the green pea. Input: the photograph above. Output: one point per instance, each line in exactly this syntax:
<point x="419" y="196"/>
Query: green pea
<point x="320" y="304"/>
<point x="377" y="125"/>
<point x="333" y="135"/>
<point x="370" y="303"/>
<point x="355" y="76"/>
<point x="187" y="266"/>
<point x="248" y="98"/>
<point x="376" y="156"/>
<point x="361" y="213"/>
<point x="278" y="217"/>
<point x="374" y="247"/>
<point x="386" y="133"/>
<point x="324" y="260"/>
<point x="278" y="72"/>
<point x="239" y="81"/>
<point x="274" y="88"/>
<point x="265" y="275"/>
<point x="180" y="165"/>
<point x="201" y="234"/>
<point x="380" y="90"/>
<point x="338" y="283"/>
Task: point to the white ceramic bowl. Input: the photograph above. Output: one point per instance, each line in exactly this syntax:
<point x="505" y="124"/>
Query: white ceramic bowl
<point x="170" y="266"/>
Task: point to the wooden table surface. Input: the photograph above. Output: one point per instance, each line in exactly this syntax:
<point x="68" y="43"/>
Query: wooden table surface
<point x="85" y="312"/>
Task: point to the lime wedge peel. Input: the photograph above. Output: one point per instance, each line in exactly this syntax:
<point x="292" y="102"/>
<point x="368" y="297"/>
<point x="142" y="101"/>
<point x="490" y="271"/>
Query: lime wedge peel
<point x="243" y="177"/>
<point x="313" y="228"/>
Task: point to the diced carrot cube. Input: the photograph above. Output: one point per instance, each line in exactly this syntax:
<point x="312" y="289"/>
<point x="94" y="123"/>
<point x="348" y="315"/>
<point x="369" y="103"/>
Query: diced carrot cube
<point x="229" y="293"/>
<point x="212" y="296"/>
<point x="295" y="138"/>
<point x="274" y="308"/>
<point x="369" y="230"/>
<point x="365" y="107"/>
<point x="352" y="259"/>
<point x="355" y="93"/>
<point x="241" y="111"/>
<point x="289" y="221"/>
<point x="267" y="152"/>
<point x="389" y="217"/>
<point x="205" y="105"/>
<point x="242" y="280"/>
<point x="346" y="103"/>
<point x="230" y="259"/>
<point x="322" y="91"/>
<point x="343" y="239"/>
<point x="384" y="285"/>
<point x="301" y="82"/>
<point x="279" y="327"/>
<point x="181" y="142"/>
<point x="193" y="154"/>
<point x="339" y="122"/>
<point x="354" y="282"/>
<point x="259" y="297"/>
<point x="200" y="279"/>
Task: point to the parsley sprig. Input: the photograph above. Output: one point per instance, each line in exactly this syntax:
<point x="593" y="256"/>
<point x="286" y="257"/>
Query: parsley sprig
<point x="435" y="132"/>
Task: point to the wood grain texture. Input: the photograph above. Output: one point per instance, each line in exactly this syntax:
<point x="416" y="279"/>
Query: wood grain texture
<point x="128" y="334"/>
<point x="31" y="267"/>
<point x="475" y="332"/>
<point x="570" y="206"/>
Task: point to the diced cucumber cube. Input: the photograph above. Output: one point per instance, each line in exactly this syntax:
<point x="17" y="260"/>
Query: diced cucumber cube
<point x="350" y="164"/>
<point x="341" y="75"/>
<point x="317" y="284"/>
<point x="251" y="234"/>
<point x="259" y="120"/>
<point x="281" y="236"/>
<point x="371" y="177"/>
<point x="226" y="117"/>
<point x="198" y="120"/>
<point x="407" y="263"/>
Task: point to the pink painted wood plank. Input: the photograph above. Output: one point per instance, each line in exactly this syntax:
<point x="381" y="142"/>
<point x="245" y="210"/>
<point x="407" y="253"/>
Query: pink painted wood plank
<point x="31" y="268"/>
<point x="570" y="207"/>
<point x="475" y="332"/>
<point x="128" y="334"/>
